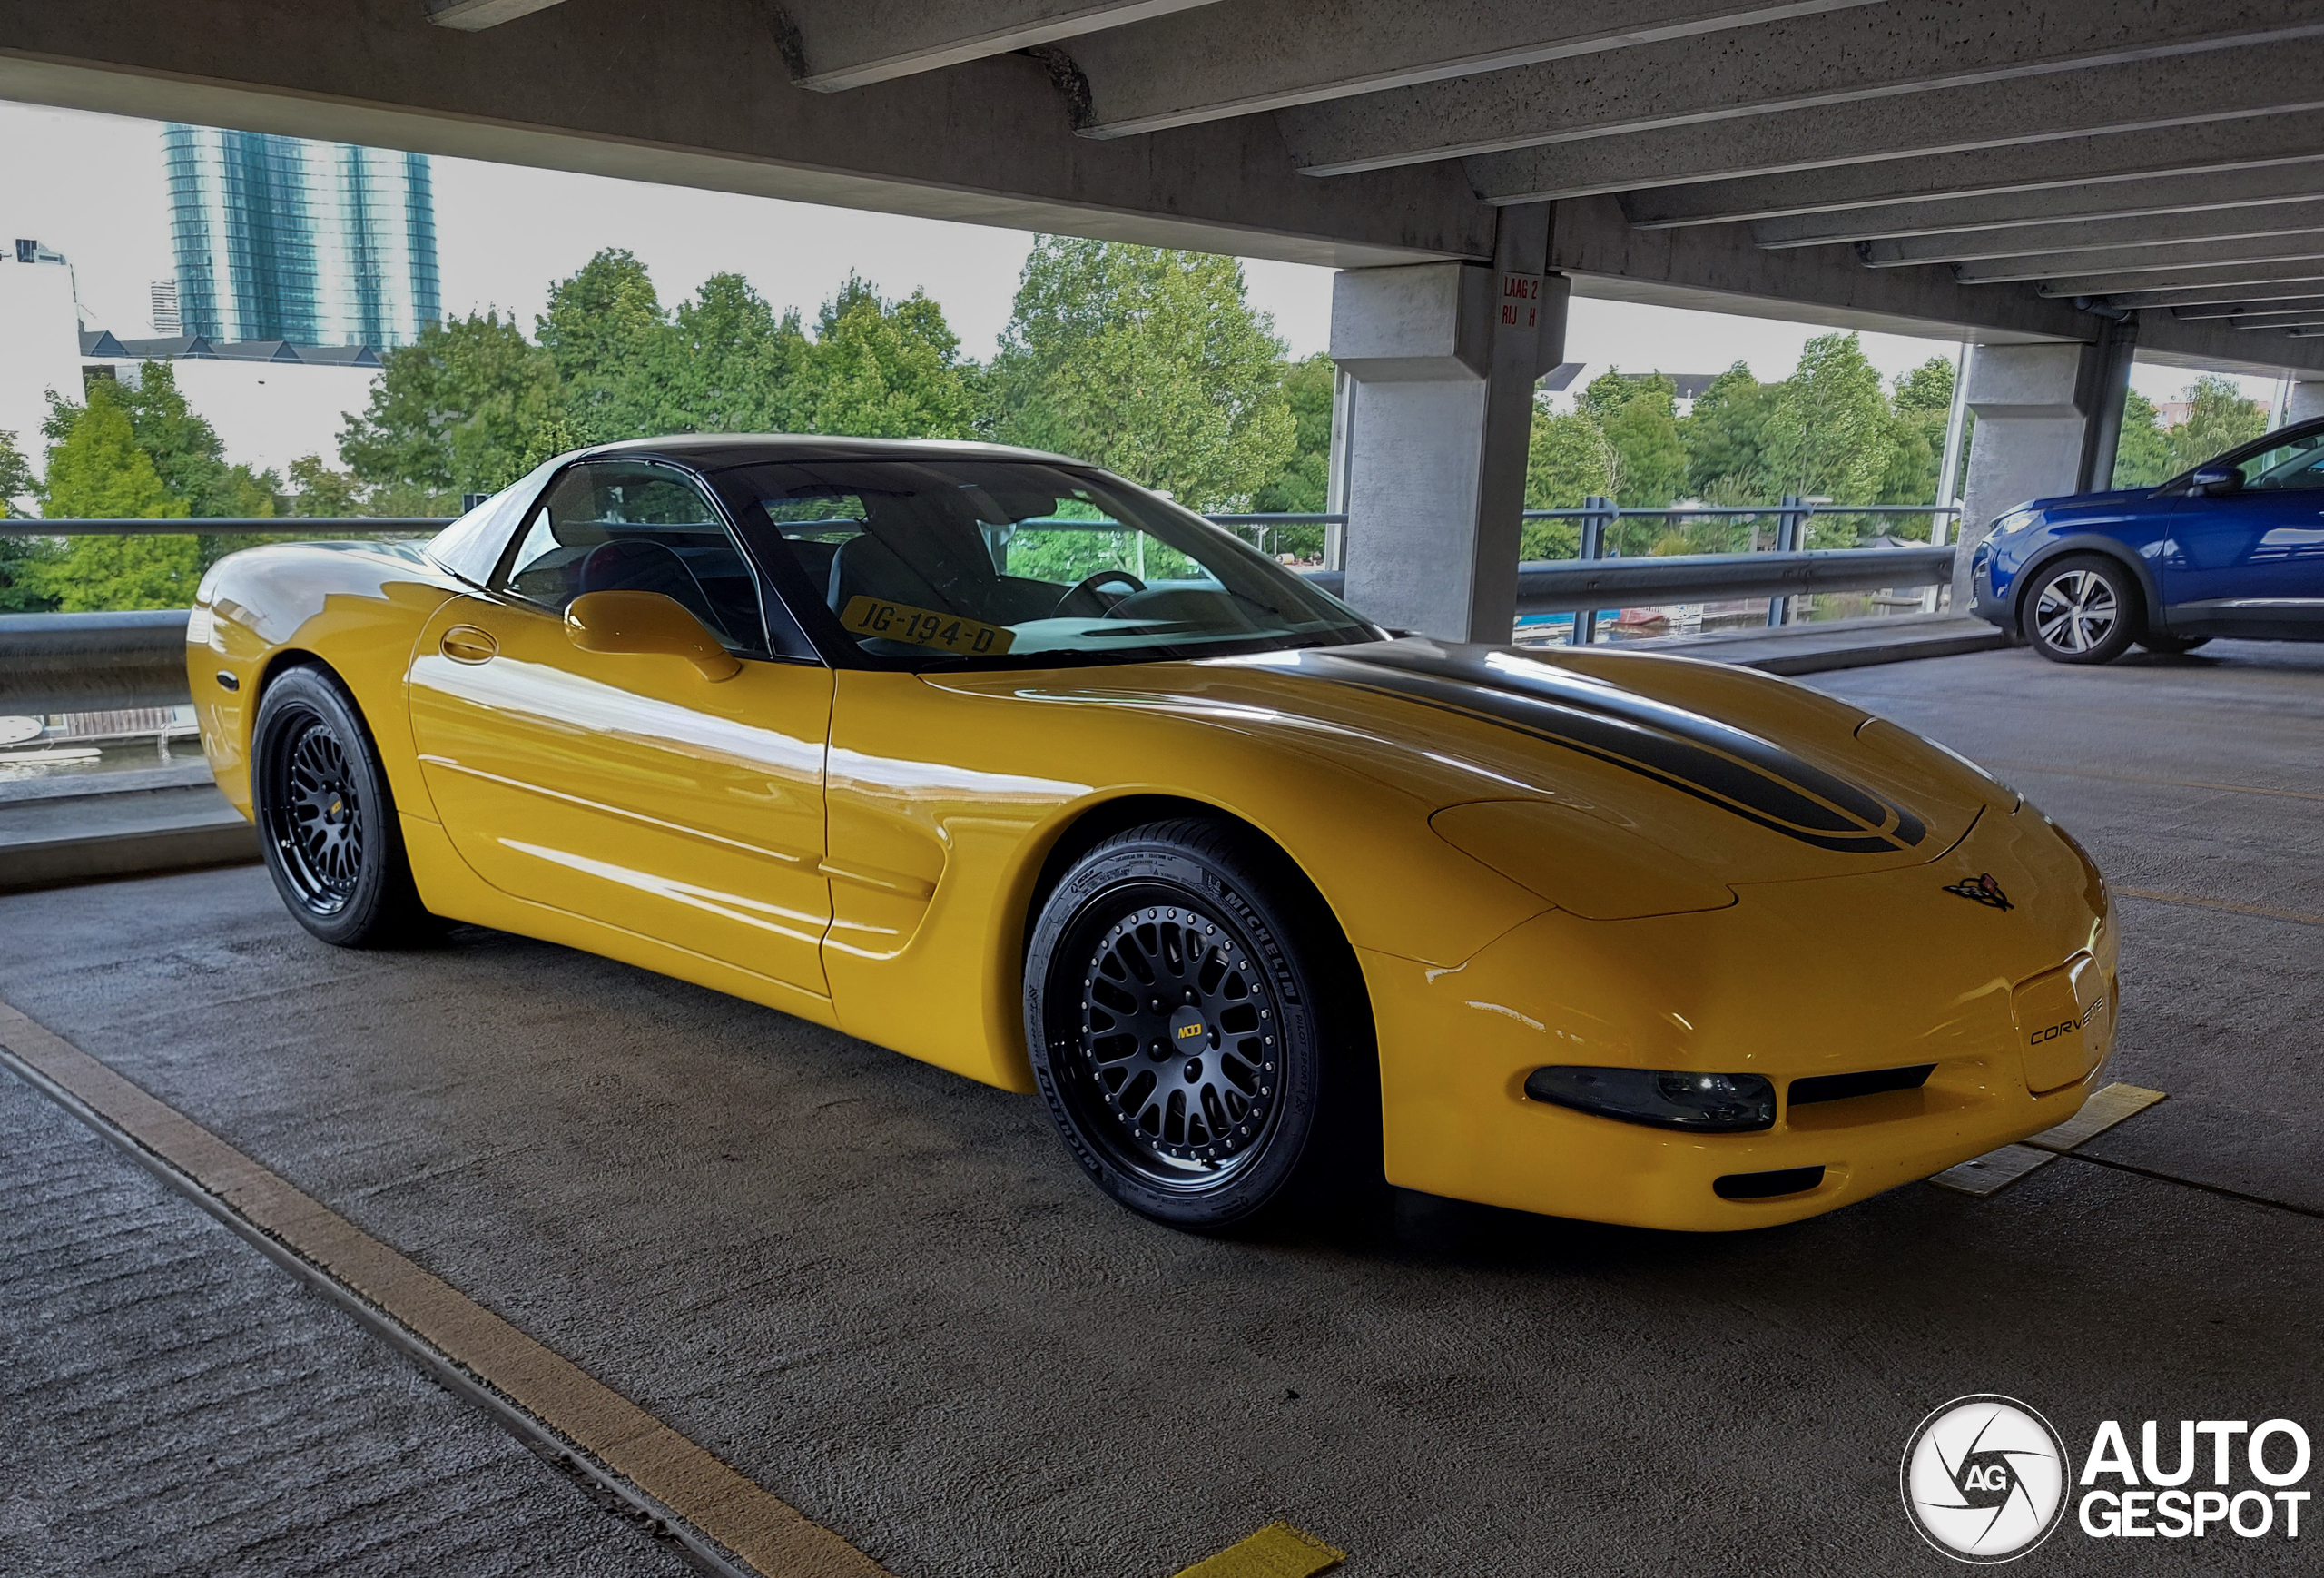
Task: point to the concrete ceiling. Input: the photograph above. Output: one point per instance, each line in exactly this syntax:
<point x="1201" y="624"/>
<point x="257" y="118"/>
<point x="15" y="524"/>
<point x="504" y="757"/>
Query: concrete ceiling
<point x="1975" y="167"/>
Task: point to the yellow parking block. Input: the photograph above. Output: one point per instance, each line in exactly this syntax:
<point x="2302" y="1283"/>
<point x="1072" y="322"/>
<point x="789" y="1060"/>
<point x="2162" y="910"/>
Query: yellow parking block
<point x="2104" y="1109"/>
<point x="1277" y="1551"/>
<point x="1993" y="1171"/>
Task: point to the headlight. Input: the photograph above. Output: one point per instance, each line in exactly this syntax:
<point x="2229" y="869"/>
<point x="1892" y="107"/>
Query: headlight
<point x="2016" y="520"/>
<point x="1664" y="1099"/>
<point x="1580" y="862"/>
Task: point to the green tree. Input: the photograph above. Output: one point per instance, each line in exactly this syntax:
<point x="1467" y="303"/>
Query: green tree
<point x="1726" y="436"/>
<point x="1567" y="459"/>
<point x="96" y="471"/>
<point x="19" y="556"/>
<point x="725" y="365"/>
<point x="453" y="413"/>
<point x="2142" y="454"/>
<point x="1828" y="435"/>
<point x="317" y="490"/>
<point x="1638" y="416"/>
<point x="2220" y="419"/>
<point x="1149" y="363"/>
<point x="17" y="479"/>
<point x="606" y="335"/>
<point x="1921" y="406"/>
<point x="879" y="370"/>
<point x="1304" y="483"/>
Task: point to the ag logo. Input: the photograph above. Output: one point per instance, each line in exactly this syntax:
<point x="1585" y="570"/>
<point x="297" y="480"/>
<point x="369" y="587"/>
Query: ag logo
<point x="1984" y="1479"/>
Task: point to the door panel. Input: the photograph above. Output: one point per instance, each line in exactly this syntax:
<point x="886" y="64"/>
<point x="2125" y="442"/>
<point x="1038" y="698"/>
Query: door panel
<point x="2252" y="562"/>
<point x="629" y="788"/>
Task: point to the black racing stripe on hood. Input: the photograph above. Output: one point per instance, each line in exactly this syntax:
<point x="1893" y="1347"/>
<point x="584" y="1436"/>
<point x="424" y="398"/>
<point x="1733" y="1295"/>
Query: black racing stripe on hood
<point x="1738" y="771"/>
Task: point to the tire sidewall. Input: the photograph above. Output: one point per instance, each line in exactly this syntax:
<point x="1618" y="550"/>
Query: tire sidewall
<point x="2129" y="597"/>
<point x="1099" y="884"/>
<point x="308" y="693"/>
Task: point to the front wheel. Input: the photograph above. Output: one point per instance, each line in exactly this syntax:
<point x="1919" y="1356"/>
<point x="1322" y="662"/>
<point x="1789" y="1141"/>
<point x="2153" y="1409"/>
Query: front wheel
<point x="1197" y="1028"/>
<point x="2083" y="609"/>
<point x="326" y="821"/>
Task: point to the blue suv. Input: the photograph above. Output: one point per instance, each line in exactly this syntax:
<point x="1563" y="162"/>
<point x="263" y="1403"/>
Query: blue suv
<point x="2233" y="547"/>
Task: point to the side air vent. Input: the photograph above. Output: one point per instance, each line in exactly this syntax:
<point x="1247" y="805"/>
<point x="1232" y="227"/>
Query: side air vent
<point x="1840" y="1087"/>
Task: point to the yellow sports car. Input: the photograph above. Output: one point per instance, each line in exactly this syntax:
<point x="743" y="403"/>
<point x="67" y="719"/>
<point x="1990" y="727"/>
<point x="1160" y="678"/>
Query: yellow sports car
<point x="990" y="757"/>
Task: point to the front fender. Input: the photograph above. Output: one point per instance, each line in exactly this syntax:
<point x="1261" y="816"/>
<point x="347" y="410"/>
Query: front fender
<point x="355" y="607"/>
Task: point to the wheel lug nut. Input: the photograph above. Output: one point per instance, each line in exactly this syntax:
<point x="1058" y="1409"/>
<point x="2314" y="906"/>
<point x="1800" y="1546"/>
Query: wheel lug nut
<point x="1194" y="1070"/>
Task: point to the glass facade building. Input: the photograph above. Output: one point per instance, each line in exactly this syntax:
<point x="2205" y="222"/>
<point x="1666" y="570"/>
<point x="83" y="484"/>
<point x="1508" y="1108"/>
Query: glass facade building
<point x="318" y="243"/>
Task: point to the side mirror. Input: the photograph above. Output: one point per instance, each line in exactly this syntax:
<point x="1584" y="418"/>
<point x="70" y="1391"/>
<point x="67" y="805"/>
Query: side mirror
<point x="647" y="623"/>
<point x="2216" y="479"/>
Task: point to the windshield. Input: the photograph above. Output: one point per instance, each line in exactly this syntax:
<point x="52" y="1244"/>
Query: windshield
<point x="948" y="563"/>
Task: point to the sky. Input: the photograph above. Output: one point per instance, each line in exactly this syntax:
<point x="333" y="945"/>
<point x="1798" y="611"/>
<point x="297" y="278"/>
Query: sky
<point x="92" y="187"/>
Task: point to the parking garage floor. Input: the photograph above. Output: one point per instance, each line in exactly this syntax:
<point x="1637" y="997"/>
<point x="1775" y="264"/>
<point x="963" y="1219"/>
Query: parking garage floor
<point x="886" y="1296"/>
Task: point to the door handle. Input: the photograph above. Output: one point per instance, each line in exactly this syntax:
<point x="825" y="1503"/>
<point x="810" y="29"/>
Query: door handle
<point x="466" y="643"/>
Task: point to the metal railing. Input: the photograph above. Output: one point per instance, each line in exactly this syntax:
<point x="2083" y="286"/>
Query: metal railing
<point x="59" y="662"/>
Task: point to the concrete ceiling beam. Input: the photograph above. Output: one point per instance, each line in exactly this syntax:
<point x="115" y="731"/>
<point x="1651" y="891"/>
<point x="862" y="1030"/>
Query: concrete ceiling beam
<point x="853" y="44"/>
<point x="2172" y="261"/>
<point x="2139" y="294"/>
<point x="2237" y="311"/>
<point x="2134" y="96"/>
<point x="2247" y="226"/>
<point x="2247" y="197"/>
<point x="1894" y="51"/>
<point x="2211" y="147"/>
<point x="1270" y="55"/>
<point x="475" y="16"/>
<point x="2279" y="320"/>
<point x="2258" y="279"/>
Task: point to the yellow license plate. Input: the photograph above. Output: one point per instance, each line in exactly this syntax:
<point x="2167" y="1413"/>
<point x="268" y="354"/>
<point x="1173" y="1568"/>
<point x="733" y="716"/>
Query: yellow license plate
<point x="925" y="627"/>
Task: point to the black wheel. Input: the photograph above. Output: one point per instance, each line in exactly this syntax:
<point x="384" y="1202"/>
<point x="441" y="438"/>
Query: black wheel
<point x="1198" y="1029"/>
<point x="2171" y="646"/>
<point x="2085" y="608"/>
<point x="327" y="823"/>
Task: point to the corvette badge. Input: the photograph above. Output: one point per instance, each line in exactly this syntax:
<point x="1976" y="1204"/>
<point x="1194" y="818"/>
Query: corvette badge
<point x="1983" y="889"/>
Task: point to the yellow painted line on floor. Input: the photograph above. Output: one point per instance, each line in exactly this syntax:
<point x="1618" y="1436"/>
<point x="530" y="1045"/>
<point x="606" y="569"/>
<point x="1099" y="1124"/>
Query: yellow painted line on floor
<point x="2048" y="771"/>
<point x="2300" y="917"/>
<point x="763" y="1530"/>
<point x="1277" y="1551"/>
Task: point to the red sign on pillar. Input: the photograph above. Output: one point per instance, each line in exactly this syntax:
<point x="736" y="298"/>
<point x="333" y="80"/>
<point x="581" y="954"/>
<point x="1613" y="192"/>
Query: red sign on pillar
<point x="1520" y="300"/>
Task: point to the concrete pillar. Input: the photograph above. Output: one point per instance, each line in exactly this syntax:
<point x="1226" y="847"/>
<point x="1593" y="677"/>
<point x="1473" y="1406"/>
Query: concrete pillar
<point x="2108" y="368"/>
<point x="1441" y="360"/>
<point x="2033" y="405"/>
<point x="2306" y="400"/>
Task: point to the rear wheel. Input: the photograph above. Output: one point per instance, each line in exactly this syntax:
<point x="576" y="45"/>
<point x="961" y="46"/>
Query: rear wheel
<point x="2083" y="609"/>
<point x="1197" y="1029"/>
<point x="326" y="820"/>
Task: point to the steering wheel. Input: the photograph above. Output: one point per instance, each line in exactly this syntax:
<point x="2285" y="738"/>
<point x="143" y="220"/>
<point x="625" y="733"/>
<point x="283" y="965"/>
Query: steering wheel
<point x="1088" y="590"/>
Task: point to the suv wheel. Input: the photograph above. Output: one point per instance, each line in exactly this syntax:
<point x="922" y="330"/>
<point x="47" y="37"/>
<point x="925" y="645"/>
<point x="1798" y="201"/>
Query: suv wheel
<point x="2083" y="608"/>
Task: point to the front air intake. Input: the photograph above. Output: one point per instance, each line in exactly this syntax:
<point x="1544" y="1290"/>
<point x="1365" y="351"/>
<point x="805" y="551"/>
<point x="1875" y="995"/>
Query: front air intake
<point x="1762" y="1186"/>
<point x="1840" y="1087"/>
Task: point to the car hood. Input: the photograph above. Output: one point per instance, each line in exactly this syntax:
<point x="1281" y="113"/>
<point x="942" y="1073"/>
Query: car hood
<point x="1746" y="777"/>
<point x="2076" y="503"/>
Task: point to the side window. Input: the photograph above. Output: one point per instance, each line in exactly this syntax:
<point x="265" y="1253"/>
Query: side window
<point x="2298" y="464"/>
<point x="628" y="526"/>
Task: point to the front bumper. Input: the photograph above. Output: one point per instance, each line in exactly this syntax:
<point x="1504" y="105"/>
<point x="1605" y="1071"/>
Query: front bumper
<point x="1839" y="975"/>
<point x="1992" y="608"/>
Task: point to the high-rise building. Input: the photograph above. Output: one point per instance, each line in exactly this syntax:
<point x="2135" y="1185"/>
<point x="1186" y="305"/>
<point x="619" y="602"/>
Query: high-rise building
<point x="277" y="238"/>
<point x="167" y="320"/>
